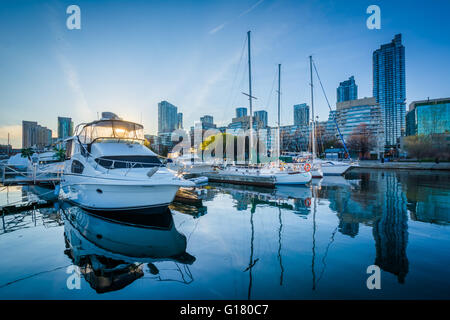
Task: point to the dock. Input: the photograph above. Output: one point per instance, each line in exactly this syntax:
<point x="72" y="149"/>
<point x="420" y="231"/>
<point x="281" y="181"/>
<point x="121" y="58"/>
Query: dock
<point x="259" y="181"/>
<point x="10" y="176"/>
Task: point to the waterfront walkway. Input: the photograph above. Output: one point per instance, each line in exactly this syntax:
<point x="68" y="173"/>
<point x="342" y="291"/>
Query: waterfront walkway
<point x="372" y="164"/>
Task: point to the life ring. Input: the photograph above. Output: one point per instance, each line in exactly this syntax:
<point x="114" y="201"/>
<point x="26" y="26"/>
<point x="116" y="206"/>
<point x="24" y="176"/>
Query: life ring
<point x="307" y="202"/>
<point x="307" y="167"/>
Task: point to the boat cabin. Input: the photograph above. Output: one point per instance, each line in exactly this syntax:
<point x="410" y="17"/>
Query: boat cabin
<point x="113" y="144"/>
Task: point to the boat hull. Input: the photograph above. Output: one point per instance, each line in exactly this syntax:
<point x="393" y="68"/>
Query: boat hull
<point x="117" y="197"/>
<point x="317" y="173"/>
<point x="300" y="178"/>
<point x="334" y="170"/>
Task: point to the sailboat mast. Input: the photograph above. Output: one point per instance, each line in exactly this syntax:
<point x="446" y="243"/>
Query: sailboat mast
<point x="313" y="126"/>
<point x="278" y="129"/>
<point x="250" y="97"/>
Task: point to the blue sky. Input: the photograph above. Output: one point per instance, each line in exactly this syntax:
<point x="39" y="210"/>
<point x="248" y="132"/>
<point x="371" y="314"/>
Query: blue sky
<point x="129" y="55"/>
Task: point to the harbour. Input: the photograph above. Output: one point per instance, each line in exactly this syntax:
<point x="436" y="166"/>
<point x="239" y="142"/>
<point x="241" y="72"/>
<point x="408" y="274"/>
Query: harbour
<point x="238" y="159"/>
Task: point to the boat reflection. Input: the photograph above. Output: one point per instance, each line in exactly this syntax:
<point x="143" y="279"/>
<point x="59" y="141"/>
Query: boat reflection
<point x="111" y="253"/>
<point x="295" y="198"/>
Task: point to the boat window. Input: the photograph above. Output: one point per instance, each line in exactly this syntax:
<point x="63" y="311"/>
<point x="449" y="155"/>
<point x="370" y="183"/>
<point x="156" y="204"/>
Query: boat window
<point x="121" y="162"/>
<point x="77" y="167"/>
<point x="69" y="149"/>
<point x="111" y="129"/>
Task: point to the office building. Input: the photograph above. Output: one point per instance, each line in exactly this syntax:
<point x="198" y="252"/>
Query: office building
<point x="261" y="118"/>
<point x="431" y="116"/>
<point x="330" y="125"/>
<point x="65" y="128"/>
<point x="301" y="114"/>
<point x="389" y="88"/>
<point x="34" y="135"/>
<point x="167" y="117"/>
<point x="347" y="90"/>
<point x="353" y="113"/>
<point x="179" y="120"/>
<point x="241" y="112"/>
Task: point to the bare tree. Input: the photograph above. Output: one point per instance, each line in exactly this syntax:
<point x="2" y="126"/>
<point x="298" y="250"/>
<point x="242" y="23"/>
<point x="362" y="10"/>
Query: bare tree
<point x="361" y="140"/>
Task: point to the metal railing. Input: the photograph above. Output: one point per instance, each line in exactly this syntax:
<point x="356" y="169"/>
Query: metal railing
<point x="10" y="173"/>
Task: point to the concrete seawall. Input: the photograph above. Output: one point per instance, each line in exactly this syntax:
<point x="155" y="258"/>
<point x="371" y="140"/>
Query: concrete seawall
<point x="405" y="165"/>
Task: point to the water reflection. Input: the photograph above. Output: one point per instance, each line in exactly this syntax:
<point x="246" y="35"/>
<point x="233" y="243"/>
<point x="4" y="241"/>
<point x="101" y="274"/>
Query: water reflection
<point x="295" y="198"/>
<point x="250" y="242"/>
<point x="111" y="253"/>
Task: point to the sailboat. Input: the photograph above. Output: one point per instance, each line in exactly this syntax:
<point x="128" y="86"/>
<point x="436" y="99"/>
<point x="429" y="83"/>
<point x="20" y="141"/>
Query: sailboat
<point x="292" y="175"/>
<point x="329" y="167"/>
<point x="316" y="170"/>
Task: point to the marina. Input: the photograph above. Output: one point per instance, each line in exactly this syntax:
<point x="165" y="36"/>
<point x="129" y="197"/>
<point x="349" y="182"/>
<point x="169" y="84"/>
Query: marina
<point x="213" y="157"/>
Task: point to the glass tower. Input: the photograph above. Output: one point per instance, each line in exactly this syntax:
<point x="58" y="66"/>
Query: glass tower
<point x="389" y="87"/>
<point x="347" y="90"/>
<point x="429" y="117"/>
<point x="261" y="118"/>
<point x="241" y="112"/>
<point x="167" y="117"/>
<point x="65" y="127"/>
<point x="301" y="114"/>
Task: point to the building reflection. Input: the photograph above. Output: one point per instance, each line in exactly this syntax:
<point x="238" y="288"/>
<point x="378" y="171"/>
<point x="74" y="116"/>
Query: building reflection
<point x="390" y="231"/>
<point x="428" y="196"/>
<point x="375" y="199"/>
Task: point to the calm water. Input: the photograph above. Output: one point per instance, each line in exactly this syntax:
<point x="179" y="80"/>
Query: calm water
<point x="290" y="243"/>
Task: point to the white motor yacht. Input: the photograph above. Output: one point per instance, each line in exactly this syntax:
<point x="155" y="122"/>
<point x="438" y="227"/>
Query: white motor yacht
<point x="108" y="167"/>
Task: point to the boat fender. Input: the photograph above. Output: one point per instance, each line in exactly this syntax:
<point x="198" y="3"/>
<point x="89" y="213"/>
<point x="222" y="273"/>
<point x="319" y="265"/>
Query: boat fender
<point x="152" y="171"/>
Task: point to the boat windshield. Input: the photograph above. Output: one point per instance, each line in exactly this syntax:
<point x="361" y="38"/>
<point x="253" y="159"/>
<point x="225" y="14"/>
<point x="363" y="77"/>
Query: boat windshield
<point x="111" y="129"/>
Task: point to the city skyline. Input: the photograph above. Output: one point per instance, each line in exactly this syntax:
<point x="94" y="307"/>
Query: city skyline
<point x="197" y="64"/>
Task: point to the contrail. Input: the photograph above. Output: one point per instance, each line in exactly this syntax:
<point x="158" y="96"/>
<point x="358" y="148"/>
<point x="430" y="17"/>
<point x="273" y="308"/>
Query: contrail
<point x="220" y="27"/>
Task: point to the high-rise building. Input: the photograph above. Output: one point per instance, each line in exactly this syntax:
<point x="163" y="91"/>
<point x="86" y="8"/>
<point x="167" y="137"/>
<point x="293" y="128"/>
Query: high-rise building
<point x="330" y="126"/>
<point x="347" y="90"/>
<point x="241" y="112"/>
<point x="261" y="118"/>
<point x="389" y="87"/>
<point x="207" y="119"/>
<point x="65" y="127"/>
<point x="430" y="116"/>
<point x="167" y="117"/>
<point x="34" y="135"/>
<point x="179" y="120"/>
<point x="207" y="122"/>
<point x="351" y="114"/>
<point x="294" y="138"/>
<point x="301" y="114"/>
